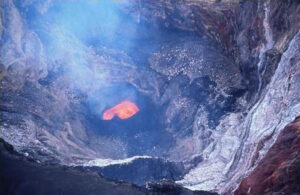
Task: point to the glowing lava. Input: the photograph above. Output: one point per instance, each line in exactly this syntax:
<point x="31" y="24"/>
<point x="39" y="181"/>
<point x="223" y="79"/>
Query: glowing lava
<point x="123" y="110"/>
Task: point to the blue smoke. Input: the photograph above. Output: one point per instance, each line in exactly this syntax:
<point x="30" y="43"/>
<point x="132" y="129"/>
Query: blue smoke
<point x="70" y="29"/>
<point x="92" y="22"/>
<point x="70" y="33"/>
<point x="87" y="20"/>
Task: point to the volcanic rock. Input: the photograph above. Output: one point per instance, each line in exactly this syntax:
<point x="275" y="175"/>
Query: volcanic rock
<point x="279" y="170"/>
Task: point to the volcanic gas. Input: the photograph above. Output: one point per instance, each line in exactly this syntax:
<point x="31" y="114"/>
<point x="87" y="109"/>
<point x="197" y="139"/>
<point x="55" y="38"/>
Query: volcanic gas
<point x="123" y="110"/>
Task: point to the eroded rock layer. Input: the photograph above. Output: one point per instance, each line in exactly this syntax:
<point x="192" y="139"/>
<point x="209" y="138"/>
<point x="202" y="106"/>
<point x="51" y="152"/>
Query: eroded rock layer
<point x="279" y="170"/>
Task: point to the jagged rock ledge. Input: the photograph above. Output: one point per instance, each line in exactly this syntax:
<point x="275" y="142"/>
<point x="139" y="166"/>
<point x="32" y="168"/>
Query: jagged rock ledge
<point x="137" y="170"/>
<point x="24" y="175"/>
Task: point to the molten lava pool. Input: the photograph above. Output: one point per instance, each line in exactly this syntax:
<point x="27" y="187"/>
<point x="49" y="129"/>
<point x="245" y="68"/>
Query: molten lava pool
<point x="123" y="110"/>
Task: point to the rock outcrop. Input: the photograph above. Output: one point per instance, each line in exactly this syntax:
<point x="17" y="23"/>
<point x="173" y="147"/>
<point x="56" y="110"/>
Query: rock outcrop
<point x="24" y="175"/>
<point x="279" y="170"/>
<point x="137" y="170"/>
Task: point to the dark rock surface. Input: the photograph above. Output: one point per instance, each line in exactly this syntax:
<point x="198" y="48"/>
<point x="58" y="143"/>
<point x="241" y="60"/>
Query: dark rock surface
<point x="141" y="170"/>
<point x="23" y="175"/>
<point x="279" y="170"/>
<point x="169" y="187"/>
<point x="20" y="175"/>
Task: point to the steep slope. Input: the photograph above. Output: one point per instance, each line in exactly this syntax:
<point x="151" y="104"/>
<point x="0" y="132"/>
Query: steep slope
<point x="279" y="170"/>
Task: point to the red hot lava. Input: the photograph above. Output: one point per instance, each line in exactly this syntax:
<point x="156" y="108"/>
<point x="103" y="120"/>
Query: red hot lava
<point x="123" y="110"/>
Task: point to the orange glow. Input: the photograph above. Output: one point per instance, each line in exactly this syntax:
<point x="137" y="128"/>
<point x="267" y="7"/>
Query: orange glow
<point x="123" y="110"/>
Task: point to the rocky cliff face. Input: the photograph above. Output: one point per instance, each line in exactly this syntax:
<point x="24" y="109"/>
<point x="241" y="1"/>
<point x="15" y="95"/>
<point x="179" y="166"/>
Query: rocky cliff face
<point x="238" y="150"/>
<point x="216" y="82"/>
<point x="278" y="171"/>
